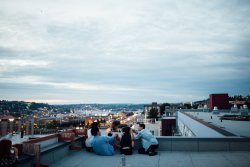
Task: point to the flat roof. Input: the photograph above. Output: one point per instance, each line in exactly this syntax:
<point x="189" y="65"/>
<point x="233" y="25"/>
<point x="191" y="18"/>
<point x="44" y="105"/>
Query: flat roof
<point x="163" y="159"/>
<point x="239" y="128"/>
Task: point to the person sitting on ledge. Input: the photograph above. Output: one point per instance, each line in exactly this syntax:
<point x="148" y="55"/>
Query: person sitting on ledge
<point x="102" y="145"/>
<point x="149" y="142"/>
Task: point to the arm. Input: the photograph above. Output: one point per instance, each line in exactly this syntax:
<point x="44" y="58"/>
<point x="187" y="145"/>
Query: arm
<point x="109" y="138"/>
<point x="132" y="134"/>
<point x="138" y="136"/>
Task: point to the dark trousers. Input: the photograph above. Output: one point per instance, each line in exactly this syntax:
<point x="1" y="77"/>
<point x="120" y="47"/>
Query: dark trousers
<point x="89" y="149"/>
<point x="126" y="151"/>
<point x="151" y="148"/>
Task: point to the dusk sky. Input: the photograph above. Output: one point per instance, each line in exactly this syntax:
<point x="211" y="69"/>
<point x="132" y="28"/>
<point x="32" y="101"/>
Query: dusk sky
<point x="130" y="51"/>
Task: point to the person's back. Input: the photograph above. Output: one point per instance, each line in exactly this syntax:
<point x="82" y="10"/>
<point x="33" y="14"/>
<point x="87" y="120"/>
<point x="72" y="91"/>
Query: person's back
<point x="147" y="137"/>
<point x="102" y="144"/>
<point x="126" y="142"/>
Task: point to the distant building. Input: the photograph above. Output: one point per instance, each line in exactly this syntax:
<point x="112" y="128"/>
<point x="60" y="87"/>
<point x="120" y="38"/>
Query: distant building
<point x="219" y="100"/>
<point x="8" y="124"/>
<point x="170" y="111"/>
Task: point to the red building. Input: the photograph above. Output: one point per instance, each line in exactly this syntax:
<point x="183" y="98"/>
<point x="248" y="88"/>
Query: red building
<point x="168" y="125"/>
<point x="219" y="100"/>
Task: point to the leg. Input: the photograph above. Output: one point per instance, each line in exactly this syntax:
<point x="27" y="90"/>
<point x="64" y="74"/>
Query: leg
<point x="126" y="151"/>
<point x="89" y="149"/>
<point x="151" y="150"/>
<point x="141" y="151"/>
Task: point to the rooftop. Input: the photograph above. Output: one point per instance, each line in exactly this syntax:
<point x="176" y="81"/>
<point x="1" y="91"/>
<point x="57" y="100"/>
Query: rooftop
<point x="173" y="151"/>
<point x="163" y="159"/>
<point x="239" y="128"/>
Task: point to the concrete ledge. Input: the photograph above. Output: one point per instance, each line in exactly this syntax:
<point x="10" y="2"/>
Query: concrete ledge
<point x="239" y="146"/>
<point x="49" y="154"/>
<point x="213" y="146"/>
<point x="55" y="152"/>
<point x="173" y="143"/>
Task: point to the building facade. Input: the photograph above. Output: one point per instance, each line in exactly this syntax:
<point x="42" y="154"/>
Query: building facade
<point x="219" y="100"/>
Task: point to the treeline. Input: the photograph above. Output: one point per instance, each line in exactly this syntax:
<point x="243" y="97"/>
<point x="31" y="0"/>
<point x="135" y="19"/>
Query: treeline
<point x="20" y="107"/>
<point x="239" y="97"/>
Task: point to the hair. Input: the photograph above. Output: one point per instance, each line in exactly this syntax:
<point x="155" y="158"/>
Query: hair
<point x="109" y="134"/>
<point x="126" y="130"/>
<point x="94" y="131"/>
<point x="5" y="145"/>
<point x="142" y="125"/>
<point x="94" y="124"/>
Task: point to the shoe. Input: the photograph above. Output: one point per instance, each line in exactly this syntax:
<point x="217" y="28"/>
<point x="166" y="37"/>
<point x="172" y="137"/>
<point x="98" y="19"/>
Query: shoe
<point x="152" y="153"/>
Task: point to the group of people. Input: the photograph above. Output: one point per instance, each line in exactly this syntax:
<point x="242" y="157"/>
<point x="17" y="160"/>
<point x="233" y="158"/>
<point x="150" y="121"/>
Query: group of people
<point x="105" y="145"/>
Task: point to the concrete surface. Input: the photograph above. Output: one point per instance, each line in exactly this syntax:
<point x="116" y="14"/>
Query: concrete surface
<point x="163" y="159"/>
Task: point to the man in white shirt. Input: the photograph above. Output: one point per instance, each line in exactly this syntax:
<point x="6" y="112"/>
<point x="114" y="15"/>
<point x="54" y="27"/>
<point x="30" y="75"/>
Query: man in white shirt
<point x="90" y="137"/>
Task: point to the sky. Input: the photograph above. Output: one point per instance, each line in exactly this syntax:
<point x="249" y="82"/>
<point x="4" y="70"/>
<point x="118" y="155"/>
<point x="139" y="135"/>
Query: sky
<point x="117" y="51"/>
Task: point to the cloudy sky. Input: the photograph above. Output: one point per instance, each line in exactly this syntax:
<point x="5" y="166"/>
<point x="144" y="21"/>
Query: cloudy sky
<point x="123" y="51"/>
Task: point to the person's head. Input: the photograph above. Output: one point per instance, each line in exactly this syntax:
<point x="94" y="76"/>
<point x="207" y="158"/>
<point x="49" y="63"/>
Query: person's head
<point x="126" y="130"/>
<point x="141" y="127"/>
<point x="94" y="131"/>
<point x="94" y="124"/>
<point x="110" y="134"/>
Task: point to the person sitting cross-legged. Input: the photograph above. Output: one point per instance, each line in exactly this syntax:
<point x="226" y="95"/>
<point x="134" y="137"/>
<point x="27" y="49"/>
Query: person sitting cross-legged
<point x="149" y="142"/>
<point x="90" y="137"/>
<point x="102" y="145"/>
<point x="127" y="141"/>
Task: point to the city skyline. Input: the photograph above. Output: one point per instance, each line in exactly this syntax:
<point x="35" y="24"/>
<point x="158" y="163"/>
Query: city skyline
<point x="61" y="52"/>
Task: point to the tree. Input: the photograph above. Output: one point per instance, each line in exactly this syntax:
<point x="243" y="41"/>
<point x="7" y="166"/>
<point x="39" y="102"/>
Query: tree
<point x="187" y="106"/>
<point x="162" y="108"/>
<point x="52" y="125"/>
<point x="129" y="114"/>
<point x="153" y="113"/>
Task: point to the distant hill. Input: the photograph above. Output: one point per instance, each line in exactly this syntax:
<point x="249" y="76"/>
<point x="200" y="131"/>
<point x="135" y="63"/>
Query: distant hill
<point x="18" y="107"/>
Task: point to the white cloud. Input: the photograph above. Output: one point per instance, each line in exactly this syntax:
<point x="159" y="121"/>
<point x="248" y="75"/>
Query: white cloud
<point x="35" y="80"/>
<point x="7" y="65"/>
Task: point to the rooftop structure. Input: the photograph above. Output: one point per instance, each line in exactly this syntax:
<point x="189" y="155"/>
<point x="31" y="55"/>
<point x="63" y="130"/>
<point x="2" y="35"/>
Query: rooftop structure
<point x="214" y="124"/>
<point x="218" y="100"/>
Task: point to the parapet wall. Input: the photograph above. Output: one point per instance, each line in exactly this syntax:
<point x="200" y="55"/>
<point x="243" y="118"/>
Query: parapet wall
<point x="203" y="144"/>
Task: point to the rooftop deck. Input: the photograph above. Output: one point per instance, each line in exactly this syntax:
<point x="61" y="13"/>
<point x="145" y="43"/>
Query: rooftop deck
<point x="163" y="159"/>
<point x="173" y="151"/>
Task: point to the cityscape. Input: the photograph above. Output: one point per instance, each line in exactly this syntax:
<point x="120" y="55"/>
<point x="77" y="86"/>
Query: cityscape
<point x="124" y="83"/>
<point x="219" y="116"/>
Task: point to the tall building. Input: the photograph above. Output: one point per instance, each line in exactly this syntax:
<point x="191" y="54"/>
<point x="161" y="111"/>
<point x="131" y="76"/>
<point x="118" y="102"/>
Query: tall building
<point x="219" y="100"/>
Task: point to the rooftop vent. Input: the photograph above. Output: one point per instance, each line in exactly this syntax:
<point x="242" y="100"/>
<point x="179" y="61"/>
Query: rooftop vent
<point x="215" y="110"/>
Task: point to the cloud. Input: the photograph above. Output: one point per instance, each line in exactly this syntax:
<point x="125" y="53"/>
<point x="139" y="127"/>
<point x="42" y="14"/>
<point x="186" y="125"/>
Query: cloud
<point x="124" y="51"/>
